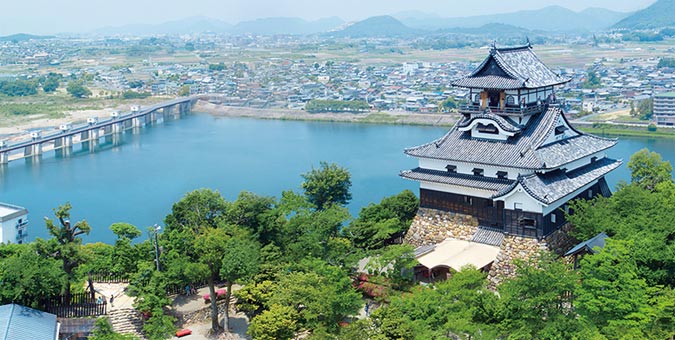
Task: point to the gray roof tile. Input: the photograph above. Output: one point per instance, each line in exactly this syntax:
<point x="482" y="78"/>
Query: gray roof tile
<point x="23" y="323"/>
<point x="444" y="177"/>
<point x="524" y="150"/>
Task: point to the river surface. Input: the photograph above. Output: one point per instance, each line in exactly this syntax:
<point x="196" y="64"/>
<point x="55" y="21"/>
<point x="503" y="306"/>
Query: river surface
<point x="139" y="178"/>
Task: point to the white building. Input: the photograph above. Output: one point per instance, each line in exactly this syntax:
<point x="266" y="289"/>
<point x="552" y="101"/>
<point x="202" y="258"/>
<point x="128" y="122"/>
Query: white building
<point x="13" y="223"/>
<point x="664" y="108"/>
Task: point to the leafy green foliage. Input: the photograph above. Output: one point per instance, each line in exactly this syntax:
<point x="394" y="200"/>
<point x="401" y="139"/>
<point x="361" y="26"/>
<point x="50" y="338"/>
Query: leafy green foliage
<point x="278" y="322"/>
<point x="327" y="185"/>
<point x="379" y="224"/>
<point x="19" y="87"/>
<point x="78" y="90"/>
<point x="666" y="63"/>
<point x="648" y="170"/>
<point x="592" y="80"/>
<point x="27" y="277"/>
<point x="317" y="105"/>
<point x="65" y="245"/>
<point x="103" y="331"/>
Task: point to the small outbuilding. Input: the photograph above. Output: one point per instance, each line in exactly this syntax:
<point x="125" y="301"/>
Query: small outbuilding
<point x="589" y="246"/>
<point x="23" y="323"/>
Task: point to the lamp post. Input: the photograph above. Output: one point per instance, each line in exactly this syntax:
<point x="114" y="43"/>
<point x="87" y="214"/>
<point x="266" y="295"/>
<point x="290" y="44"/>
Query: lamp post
<point x="157" y="229"/>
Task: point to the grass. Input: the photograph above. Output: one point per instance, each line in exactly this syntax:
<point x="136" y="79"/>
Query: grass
<point x="379" y="118"/>
<point x="627" y="131"/>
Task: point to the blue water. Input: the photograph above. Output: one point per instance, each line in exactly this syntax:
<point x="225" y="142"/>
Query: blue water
<point x="138" y="180"/>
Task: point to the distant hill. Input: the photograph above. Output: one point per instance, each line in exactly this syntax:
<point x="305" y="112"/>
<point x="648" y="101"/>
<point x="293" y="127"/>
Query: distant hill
<point x="551" y="18"/>
<point x="184" y="26"/>
<point x="379" y="26"/>
<point x="280" y="25"/>
<point x="492" y="30"/>
<point x="659" y="14"/>
<point x="24" y="37"/>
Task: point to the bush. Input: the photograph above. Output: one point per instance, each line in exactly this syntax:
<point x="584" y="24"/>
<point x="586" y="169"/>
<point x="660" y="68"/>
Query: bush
<point x="651" y="127"/>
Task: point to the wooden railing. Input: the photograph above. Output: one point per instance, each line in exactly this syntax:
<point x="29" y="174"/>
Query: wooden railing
<point x="80" y="305"/>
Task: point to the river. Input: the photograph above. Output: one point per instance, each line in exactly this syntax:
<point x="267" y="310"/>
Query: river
<point x="138" y="180"/>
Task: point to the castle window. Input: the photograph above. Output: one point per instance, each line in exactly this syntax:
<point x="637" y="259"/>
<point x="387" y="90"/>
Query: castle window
<point x="553" y="218"/>
<point x="594" y="159"/>
<point x="510" y="100"/>
<point x="451" y="168"/>
<point x="478" y="172"/>
<point x="559" y="130"/>
<point x="489" y="128"/>
<point x="527" y="222"/>
<point x="468" y="200"/>
<point x="476" y="98"/>
<point x="517" y="206"/>
<point x="502" y="174"/>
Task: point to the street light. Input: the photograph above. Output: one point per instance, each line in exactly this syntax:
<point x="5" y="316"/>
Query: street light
<point x="157" y="229"/>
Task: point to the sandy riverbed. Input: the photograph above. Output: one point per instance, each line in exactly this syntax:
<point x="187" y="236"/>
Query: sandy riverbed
<point x="21" y="131"/>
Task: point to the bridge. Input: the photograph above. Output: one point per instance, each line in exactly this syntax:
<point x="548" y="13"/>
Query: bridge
<point x="91" y="131"/>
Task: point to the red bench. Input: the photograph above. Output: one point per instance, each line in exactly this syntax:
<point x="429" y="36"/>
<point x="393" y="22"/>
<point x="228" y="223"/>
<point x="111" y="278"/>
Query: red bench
<point x="183" y="332"/>
<point x="220" y="294"/>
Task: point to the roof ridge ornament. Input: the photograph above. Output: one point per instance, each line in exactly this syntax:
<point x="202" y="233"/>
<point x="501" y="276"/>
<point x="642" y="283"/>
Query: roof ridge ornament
<point x="527" y="38"/>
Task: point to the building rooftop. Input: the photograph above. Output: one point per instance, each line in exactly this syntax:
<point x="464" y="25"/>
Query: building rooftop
<point x="22" y="323"/>
<point x="589" y="245"/>
<point x="9" y="211"/>
<point x="666" y="94"/>
<point x="525" y="150"/>
<point x="511" y="68"/>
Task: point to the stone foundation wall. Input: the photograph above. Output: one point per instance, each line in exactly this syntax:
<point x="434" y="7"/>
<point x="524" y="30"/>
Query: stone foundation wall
<point x="433" y="226"/>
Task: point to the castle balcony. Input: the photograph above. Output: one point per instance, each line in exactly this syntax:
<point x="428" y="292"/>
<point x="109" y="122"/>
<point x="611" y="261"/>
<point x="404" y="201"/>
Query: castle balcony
<point x="516" y="111"/>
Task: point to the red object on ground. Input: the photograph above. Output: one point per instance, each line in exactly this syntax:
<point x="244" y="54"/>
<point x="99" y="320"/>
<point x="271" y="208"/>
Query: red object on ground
<point x="220" y="293"/>
<point x="183" y="332"/>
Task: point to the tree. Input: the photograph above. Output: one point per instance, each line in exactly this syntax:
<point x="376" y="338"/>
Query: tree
<point x="124" y="253"/>
<point x="19" y="88"/>
<point x="239" y="262"/>
<point x="65" y="245"/>
<point x="103" y="331"/>
<point x="27" y="278"/>
<point x="378" y="224"/>
<point x="276" y="323"/>
<point x="328" y="185"/>
<point x="78" y="90"/>
<point x="184" y="91"/>
<point x="536" y="303"/>
<point x="611" y="295"/>
<point x="211" y="245"/>
<point x="647" y="169"/>
<point x="50" y="85"/>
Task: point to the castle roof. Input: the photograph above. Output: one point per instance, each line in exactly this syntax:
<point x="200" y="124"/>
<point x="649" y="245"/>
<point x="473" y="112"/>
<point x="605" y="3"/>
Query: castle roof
<point x="526" y="150"/>
<point x="511" y="68"/>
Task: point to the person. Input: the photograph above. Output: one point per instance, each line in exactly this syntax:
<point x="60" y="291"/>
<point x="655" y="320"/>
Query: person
<point x="112" y="297"/>
<point x="187" y="290"/>
<point x="367" y="308"/>
<point x="99" y="300"/>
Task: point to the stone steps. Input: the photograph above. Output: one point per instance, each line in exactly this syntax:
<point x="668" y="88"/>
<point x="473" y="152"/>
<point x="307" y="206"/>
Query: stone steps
<point x="126" y="321"/>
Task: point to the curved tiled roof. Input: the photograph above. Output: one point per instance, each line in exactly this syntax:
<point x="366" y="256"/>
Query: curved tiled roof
<point x="550" y="187"/>
<point x="525" y="150"/>
<point x="465" y="180"/>
<point x="519" y="67"/>
<point x="503" y="122"/>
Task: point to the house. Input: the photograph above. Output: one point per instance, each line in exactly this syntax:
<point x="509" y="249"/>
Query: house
<point x="22" y="323"/>
<point x="512" y="161"/>
<point x="13" y="223"/>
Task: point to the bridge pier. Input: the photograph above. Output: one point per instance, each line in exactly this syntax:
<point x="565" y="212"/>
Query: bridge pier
<point x="66" y="141"/>
<point x="33" y="150"/>
<point x="4" y="157"/>
<point x="138" y="121"/>
<point x="117" y="128"/>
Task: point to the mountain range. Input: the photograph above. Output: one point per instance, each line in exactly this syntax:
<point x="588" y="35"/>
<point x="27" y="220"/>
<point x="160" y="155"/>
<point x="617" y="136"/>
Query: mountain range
<point x="659" y="14"/>
<point x="405" y="24"/>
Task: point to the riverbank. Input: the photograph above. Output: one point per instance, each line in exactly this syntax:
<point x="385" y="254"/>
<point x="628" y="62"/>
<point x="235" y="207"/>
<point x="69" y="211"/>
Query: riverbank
<point x="626" y="130"/>
<point x="391" y="117"/>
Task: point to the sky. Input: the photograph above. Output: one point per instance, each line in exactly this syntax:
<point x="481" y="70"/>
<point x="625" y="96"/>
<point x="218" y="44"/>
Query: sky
<point x="57" y="16"/>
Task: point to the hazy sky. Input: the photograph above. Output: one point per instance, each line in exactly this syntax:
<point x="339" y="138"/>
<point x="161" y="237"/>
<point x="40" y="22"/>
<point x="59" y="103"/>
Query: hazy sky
<point x="53" y="16"/>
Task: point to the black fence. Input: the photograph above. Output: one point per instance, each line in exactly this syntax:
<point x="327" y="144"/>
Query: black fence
<point x="80" y="305"/>
<point x="180" y="289"/>
<point x="110" y="277"/>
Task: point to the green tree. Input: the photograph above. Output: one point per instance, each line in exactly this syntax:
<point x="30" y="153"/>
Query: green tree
<point x="65" y="244"/>
<point x="611" y="295"/>
<point x="210" y="245"/>
<point x="27" y="277"/>
<point x="184" y="91"/>
<point x="379" y="224"/>
<point x="78" y="90"/>
<point x="124" y="253"/>
<point x="536" y="303"/>
<point x="50" y="85"/>
<point x="327" y="185"/>
<point x="239" y="262"/>
<point x="647" y="169"/>
<point x="103" y="331"/>
<point x="276" y="323"/>
<point x="592" y="80"/>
